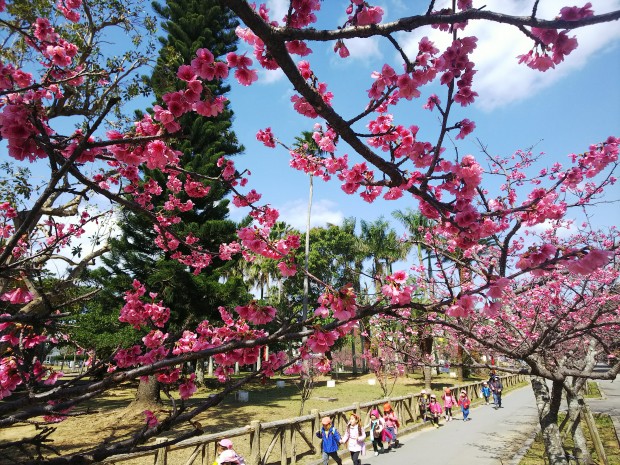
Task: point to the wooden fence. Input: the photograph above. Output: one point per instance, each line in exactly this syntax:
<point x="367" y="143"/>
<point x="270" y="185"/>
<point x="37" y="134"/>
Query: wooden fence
<point x="287" y="441"/>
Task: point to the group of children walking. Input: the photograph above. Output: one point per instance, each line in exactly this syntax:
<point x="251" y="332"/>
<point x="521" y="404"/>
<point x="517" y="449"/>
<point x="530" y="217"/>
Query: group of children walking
<point x="431" y="410"/>
<point x="381" y="429"/>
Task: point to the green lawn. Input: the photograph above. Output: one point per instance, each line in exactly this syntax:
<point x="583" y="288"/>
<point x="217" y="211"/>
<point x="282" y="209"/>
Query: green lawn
<point x="592" y="391"/>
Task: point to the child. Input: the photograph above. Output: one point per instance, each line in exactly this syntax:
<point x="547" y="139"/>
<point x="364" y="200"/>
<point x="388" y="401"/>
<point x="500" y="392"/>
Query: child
<point x="391" y="425"/>
<point x="354" y="437"/>
<point x="376" y="426"/>
<point x="486" y="391"/>
<point x="448" y="402"/>
<point x="464" y="403"/>
<point x="435" y="410"/>
<point x="225" y="452"/>
<point x="228" y="457"/>
<point x="331" y="441"/>
<point x="423" y="402"/>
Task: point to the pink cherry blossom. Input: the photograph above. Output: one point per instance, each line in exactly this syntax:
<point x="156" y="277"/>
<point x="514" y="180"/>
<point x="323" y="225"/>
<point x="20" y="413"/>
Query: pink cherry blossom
<point x="188" y="388"/>
<point x="589" y="262"/>
<point x="17" y="296"/>
<point x="266" y="137"/>
<point x="369" y="15"/>
<point x="321" y="341"/>
<point x="151" y="419"/>
<point x="257" y="314"/>
<point x="287" y="269"/>
<point x="575" y="13"/>
<point x="467" y="127"/>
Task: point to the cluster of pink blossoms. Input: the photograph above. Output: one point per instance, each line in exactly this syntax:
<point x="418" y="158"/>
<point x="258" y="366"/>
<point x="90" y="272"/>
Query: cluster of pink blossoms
<point x="17" y="296"/>
<point x="396" y="288"/>
<point x="342" y="304"/>
<point x="554" y="45"/>
<point x="362" y="14"/>
<point x="137" y="313"/>
<point x="300" y="104"/>
<point x="464" y="307"/>
<point x="12" y="374"/>
<point x="256" y="314"/>
<point x="455" y="63"/>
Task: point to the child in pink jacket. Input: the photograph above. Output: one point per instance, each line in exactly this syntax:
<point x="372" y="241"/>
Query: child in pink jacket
<point x="449" y="401"/>
<point x="354" y="437"/>
<point x="435" y="409"/>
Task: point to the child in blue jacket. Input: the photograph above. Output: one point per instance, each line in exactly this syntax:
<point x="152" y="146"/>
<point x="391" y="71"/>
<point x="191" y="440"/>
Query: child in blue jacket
<point x="331" y="441"/>
<point x="486" y="391"/>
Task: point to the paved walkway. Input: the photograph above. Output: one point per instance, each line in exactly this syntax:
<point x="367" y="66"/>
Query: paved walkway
<point x="610" y="404"/>
<point x="492" y="437"/>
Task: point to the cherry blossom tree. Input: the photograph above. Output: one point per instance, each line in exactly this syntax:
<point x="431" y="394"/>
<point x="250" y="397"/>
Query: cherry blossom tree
<point x="59" y="74"/>
<point x="384" y="358"/>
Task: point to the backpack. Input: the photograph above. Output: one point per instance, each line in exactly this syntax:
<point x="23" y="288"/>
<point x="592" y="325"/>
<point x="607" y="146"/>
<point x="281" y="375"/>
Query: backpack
<point x="332" y="430"/>
<point x="376" y="429"/>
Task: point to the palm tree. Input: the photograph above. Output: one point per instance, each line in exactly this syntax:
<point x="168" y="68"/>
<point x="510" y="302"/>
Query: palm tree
<point x="381" y="245"/>
<point x="261" y="272"/>
<point x="306" y="144"/>
<point x="353" y="264"/>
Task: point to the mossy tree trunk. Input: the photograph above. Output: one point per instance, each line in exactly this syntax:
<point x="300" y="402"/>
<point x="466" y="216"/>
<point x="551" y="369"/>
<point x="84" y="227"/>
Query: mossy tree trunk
<point x="548" y="404"/>
<point x="148" y="392"/>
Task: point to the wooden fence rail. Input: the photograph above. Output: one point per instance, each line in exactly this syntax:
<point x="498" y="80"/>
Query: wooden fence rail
<point x="289" y="440"/>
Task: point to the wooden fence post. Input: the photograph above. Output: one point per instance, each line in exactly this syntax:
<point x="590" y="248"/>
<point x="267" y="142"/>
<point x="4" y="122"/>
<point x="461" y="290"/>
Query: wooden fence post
<point x="161" y="456"/>
<point x="596" y="438"/>
<point x="356" y="408"/>
<point x="413" y="407"/>
<point x="316" y="426"/>
<point x="283" y="446"/>
<point x="293" y="443"/>
<point x="255" y="458"/>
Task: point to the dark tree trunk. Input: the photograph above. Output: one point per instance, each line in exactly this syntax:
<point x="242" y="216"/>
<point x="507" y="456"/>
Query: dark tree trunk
<point x="426" y="349"/>
<point x="353" y="354"/>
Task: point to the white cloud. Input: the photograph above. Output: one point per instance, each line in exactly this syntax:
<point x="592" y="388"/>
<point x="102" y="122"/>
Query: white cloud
<point x="267" y="76"/>
<point x="96" y="235"/>
<point x="363" y="50"/>
<point x="324" y="211"/>
<point x="277" y="9"/>
<point x="295" y="213"/>
<point x="500" y="77"/>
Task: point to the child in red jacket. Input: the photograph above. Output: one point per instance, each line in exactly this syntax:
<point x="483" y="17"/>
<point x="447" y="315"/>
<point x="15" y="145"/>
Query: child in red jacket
<point x="464" y="403"/>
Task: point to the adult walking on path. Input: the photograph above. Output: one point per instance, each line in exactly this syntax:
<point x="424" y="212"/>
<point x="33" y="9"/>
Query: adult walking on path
<point x="492" y="436"/>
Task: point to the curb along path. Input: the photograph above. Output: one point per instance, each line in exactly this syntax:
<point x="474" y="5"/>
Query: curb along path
<point x="490" y="438"/>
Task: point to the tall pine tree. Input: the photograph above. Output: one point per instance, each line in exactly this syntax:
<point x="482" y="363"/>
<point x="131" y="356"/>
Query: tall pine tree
<point x="191" y="25"/>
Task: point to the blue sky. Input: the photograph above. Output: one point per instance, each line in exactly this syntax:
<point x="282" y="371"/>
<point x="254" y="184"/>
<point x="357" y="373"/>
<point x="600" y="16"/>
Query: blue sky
<point x="558" y="112"/>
